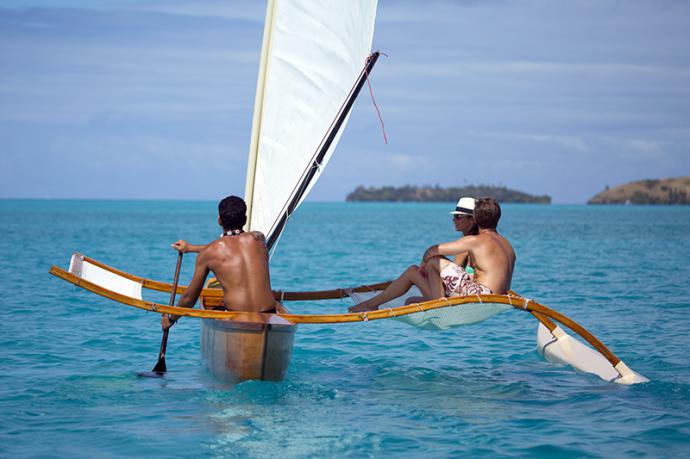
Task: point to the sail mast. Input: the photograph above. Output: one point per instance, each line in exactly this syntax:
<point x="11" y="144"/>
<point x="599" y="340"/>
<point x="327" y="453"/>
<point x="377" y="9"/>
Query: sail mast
<point x="313" y="168"/>
<point x="258" y="110"/>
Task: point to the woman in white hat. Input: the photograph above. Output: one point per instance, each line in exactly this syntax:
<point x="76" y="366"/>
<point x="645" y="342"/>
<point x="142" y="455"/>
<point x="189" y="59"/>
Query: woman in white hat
<point x="464" y="223"/>
<point x="417" y="275"/>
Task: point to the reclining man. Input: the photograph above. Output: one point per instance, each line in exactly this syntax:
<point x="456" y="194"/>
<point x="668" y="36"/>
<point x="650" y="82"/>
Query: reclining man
<point x="493" y="260"/>
<point x="239" y="261"/>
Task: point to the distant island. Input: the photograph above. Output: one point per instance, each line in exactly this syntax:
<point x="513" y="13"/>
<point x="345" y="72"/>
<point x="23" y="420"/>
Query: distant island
<point x="666" y="191"/>
<point x="437" y="194"/>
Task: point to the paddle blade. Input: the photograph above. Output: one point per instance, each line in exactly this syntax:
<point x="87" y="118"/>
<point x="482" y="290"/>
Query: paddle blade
<point x="160" y="366"/>
<point x="157" y="372"/>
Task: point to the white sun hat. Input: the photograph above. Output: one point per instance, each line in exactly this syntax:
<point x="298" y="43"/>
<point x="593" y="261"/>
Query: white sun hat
<point x="465" y="207"/>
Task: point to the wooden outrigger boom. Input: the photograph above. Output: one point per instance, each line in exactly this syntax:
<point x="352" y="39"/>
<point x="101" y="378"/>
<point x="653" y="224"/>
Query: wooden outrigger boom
<point x="210" y="297"/>
<point x="209" y="293"/>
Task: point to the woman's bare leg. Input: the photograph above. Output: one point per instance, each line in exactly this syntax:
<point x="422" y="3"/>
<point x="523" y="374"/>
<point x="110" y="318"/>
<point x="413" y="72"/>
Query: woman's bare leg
<point x="397" y="288"/>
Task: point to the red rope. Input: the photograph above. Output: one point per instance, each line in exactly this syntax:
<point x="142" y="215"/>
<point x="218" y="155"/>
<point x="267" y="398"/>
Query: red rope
<point x="373" y="100"/>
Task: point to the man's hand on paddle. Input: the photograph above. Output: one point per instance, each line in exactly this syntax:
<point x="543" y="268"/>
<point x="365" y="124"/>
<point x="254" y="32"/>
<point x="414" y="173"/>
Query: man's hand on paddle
<point x="181" y="246"/>
<point x="167" y="321"/>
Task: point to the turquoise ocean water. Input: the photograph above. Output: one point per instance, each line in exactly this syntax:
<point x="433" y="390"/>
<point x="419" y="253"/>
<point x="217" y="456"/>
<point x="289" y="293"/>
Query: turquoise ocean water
<point x="68" y="358"/>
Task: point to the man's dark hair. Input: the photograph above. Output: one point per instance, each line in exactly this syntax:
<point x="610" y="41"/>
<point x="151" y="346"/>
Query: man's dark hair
<point x="232" y="212"/>
<point x="487" y="212"/>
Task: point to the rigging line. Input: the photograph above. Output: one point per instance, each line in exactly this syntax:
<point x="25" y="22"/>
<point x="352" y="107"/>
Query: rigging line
<point x="309" y="174"/>
<point x="373" y="100"/>
<point x="272" y="248"/>
<point x="314" y="157"/>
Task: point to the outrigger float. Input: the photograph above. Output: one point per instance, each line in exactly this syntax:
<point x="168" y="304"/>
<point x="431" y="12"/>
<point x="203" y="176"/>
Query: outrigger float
<point x="315" y="59"/>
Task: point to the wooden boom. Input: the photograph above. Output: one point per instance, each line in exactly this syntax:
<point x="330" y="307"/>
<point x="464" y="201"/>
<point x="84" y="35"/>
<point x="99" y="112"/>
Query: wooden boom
<point x="279" y="295"/>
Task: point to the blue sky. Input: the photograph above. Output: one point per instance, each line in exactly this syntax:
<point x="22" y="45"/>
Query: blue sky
<point x="153" y="99"/>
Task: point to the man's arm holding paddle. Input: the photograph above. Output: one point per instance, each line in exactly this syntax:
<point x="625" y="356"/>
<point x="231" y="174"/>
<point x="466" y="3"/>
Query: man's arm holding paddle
<point x="183" y="246"/>
<point x="189" y="297"/>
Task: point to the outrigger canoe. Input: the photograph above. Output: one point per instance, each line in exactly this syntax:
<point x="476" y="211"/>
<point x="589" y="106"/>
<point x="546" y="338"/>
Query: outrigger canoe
<point x="237" y="346"/>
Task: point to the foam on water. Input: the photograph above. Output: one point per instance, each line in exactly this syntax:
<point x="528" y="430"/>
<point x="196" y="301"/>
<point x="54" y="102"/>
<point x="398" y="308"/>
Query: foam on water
<point x="68" y="384"/>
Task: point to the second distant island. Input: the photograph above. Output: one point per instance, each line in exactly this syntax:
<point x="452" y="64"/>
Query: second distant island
<point x="665" y="191"/>
<point x="410" y="193"/>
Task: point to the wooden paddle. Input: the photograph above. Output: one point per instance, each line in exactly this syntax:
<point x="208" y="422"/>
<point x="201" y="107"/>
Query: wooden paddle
<point x="160" y="368"/>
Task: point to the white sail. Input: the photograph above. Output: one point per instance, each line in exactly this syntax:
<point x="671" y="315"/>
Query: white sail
<point x="313" y="52"/>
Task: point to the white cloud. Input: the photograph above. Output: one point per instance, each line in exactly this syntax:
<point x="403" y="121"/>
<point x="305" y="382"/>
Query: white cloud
<point x="239" y="9"/>
<point x="650" y="147"/>
<point x="570" y="142"/>
<point x="573" y="143"/>
<point x="402" y="162"/>
<point x="635" y="148"/>
<point x="228" y="9"/>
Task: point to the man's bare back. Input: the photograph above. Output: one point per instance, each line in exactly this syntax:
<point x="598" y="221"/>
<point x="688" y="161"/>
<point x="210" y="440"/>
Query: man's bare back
<point x="494" y="260"/>
<point x="240" y="263"/>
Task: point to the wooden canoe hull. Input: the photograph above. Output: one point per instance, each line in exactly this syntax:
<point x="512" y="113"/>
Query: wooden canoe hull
<point x="257" y="347"/>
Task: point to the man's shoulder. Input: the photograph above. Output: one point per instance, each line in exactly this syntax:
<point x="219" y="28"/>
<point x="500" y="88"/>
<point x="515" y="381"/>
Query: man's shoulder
<point x="257" y="235"/>
<point x="212" y="247"/>
<point x="214" y="243"/>
<point x="487" y="239"/>
<point x="494" y="238"/>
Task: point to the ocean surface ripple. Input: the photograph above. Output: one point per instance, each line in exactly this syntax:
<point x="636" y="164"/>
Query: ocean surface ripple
<point x="69" y="388"/>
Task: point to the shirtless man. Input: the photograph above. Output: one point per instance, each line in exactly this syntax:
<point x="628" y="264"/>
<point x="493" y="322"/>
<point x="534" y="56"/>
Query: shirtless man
<point x="239" y="261"/>
<point x="493" y="260"/>
<point x="492" y="256"/>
